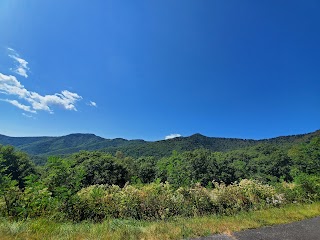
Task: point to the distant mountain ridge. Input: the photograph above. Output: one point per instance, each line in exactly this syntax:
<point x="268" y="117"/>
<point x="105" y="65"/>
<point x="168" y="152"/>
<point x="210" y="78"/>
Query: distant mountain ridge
<point x="46" y="146"/>
<point x="62" y="145"/>
<point x="165" y="147"/>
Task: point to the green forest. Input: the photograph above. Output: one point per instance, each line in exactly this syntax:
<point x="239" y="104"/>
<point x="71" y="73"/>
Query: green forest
<point x="98" y="185"/>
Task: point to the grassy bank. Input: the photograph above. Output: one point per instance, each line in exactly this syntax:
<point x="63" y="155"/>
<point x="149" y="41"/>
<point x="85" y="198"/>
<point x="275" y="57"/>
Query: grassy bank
<point x="177" y="228"/>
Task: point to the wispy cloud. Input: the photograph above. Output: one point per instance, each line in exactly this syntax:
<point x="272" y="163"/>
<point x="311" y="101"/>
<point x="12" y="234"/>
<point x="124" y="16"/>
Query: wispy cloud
<point x="21" y="66"/>
<point x="9" y="85"/>
<point x="92" y="104"/>
<point x="28" y="116"/>
<point x="173" y="135"/>
<point x="30" y="101"/>
<point x="19" y="105"/>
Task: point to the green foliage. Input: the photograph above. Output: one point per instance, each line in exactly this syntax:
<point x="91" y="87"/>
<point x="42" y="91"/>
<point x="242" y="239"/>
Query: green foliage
<point x="36" y="200"/>
<point x="306" y="157"/>
<point x="162" y="201"/>
<point x="176" y="228"/>
<point x="15" y="164"/>
<point x="100" y="168"/>
<point x="246" y="194"/>
<point x="9" y="197"/>
<point x="308" y="186"/>
<point x="174" y="170"/>
<point x="146" y="170"/>
<point x="62" y="177"/>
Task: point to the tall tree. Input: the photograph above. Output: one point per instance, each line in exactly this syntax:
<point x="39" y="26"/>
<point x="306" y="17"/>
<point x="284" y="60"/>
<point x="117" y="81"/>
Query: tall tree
<point x="16" y="164"/>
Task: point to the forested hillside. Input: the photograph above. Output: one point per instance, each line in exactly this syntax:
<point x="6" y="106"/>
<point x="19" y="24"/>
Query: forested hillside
<point x="49" y="146"/>
<point x="166" y="147"/>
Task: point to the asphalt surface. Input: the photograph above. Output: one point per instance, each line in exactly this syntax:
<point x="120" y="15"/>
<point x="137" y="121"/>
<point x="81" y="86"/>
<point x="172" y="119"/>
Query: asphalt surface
<point x="303" y="230"/>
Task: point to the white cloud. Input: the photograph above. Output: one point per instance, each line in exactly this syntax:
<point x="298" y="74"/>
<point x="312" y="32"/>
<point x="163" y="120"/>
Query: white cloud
<point x="173" y="135"/>
<point x="65" y="99"/>
<point x="92" y="104"/>
<point x="19" y="105"/>
<point x="9" y="85"/>
<point x="21" y="67"/>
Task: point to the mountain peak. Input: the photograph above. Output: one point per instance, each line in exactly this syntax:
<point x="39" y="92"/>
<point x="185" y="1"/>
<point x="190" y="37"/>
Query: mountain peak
<point x="198" y="135"/>
<point x="81" y="134"/>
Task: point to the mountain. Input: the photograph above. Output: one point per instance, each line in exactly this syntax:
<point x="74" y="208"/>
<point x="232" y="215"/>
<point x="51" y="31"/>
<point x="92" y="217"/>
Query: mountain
<point x="165" y="147"/>
<point x="46" y="146"/>
<point x="63" y="145"/>
<point x="18" y="141"/>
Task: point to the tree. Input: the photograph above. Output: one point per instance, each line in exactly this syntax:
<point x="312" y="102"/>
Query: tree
<point x="16" y="164"/>
<point x="101" y="168"/>
<point x="174" y="170"/>
<point x="9" y="191"/>
<point x="306" y="157"/>
<point x="146" y="169"/>
<point x="63" y="177"/>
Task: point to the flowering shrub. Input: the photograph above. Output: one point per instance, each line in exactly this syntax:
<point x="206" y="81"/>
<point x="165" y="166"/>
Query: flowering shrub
<point x="161" y="200"/>
<point x="247" y="194"/>
<point x="305" y="188"/>
<point x="155" y="201"/>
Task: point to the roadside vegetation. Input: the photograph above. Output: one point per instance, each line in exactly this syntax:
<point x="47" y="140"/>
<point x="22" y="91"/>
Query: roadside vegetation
<point x="148" y="195"/>
<point x="175" y="228"/>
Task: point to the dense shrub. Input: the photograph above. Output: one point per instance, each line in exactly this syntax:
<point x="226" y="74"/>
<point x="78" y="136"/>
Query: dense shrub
<point x="155" y="201"/>
<point x="161" y="200"/>
<point x="308" y="186"/>
<point x="305" y="188"/>
<point x="247" y="194"/>
<point x="36" y="199"/>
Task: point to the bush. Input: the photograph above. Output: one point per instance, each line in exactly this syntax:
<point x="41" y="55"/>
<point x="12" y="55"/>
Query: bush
<point x="155" y="201"/>
<point x="162" y="201"/>
<point x="290" y="192"/>
<point x="245" y="195"/>
<point x="308" y="186"/>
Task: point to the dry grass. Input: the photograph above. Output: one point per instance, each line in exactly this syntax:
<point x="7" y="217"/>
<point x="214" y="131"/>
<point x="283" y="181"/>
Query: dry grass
<point x="177" y="228"/>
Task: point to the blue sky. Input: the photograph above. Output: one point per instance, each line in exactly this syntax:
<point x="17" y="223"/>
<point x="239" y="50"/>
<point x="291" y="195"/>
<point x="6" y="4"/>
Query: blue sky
<point x="148" y="69"/>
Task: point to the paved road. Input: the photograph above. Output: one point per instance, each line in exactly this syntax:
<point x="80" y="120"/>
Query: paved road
<point x="302" y="230"/>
